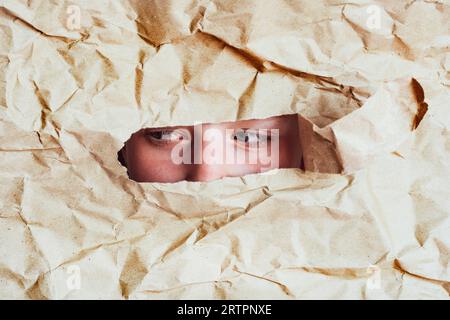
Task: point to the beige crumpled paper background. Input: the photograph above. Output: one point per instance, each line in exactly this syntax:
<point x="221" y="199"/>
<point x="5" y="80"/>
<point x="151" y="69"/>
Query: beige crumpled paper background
<point x="369" y="219"/>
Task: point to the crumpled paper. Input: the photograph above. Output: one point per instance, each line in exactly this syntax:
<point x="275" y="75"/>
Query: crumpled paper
<point x="367" y="219"/>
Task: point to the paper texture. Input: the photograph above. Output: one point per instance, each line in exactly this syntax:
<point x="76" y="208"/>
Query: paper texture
<point x="369" y="218"/>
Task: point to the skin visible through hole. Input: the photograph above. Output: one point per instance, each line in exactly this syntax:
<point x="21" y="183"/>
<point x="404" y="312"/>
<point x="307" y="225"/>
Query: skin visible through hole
<point x="212" y="151"/>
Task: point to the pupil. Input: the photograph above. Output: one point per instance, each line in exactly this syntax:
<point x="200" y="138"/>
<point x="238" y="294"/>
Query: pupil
<point x="242" y="136"/>
<point x="157" y="134"/>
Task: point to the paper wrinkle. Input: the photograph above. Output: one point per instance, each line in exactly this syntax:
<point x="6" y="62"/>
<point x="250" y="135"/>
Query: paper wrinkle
<point x="373" y="196"/>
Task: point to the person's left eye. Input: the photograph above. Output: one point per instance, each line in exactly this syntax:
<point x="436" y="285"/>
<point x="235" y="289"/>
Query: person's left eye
<point x="250" y="137"/>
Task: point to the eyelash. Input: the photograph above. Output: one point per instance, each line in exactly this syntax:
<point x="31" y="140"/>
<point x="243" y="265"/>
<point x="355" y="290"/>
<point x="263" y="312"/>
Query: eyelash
<point x="156" y="136"/>
<point x="264" y="137"/>
<point x="160" y="133"/>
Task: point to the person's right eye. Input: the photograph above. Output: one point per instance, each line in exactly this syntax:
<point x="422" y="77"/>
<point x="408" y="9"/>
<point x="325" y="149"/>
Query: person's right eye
<point x="164" y="136"/>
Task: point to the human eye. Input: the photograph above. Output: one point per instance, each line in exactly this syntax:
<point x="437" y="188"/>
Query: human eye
<point x="251" y="138"/>
<point x="165" y="136"/>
